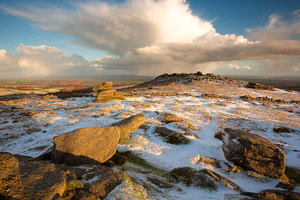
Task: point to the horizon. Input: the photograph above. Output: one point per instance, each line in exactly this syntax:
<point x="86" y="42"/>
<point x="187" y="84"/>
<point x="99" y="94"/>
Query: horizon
<point x="88" y="39"/>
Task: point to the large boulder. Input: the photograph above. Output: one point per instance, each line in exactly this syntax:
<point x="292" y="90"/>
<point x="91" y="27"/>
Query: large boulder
<point x="108" y="95"/>
<point x="23" y="179"/>
<point x="90" y="145"/>
<point x="253" y="152"/>
<point x="129" y="125"/>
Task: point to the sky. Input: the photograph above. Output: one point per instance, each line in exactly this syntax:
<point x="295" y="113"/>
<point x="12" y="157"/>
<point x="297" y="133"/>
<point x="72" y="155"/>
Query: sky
<point x="64" y="38"/>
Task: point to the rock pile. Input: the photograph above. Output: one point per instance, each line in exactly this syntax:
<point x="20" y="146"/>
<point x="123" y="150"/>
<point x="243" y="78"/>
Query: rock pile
<point x="105" y="93"/>
<point x="22" y="178"/>
<point x="259" y="86"/>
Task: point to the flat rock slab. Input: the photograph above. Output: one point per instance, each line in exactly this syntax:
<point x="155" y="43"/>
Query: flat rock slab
<point x="21" y="179"/>
<point x="90" y="145"/>
<point x="129" y="124"/>
<point x="253" y="152"/>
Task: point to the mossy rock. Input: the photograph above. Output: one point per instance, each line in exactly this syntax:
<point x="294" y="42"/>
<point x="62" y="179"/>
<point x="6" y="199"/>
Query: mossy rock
<point x="75" y="184"/>
<point x="191" y="177"/>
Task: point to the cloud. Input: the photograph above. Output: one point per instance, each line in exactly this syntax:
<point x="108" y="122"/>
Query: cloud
<point x="278" y="29"/>
<point x="152" y="37"/>
<point x="43" y="61"/>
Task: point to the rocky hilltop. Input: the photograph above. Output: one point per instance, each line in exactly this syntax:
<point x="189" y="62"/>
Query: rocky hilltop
<point x="178" y="136"/>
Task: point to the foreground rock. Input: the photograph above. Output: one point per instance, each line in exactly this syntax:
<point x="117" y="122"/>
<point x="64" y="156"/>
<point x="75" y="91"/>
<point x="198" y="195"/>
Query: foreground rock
<point x="170" y="136"/>
<point x="98" y="180"/>
<point x="90" y="145"/>
<point x="129" y="125"/>
<point x="21" y="179"/>
<point x="253" y="152"/>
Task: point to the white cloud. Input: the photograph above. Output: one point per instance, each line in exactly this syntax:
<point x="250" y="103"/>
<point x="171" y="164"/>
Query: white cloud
<point x="43" y="61"/>
<point x="236" y="66"/>
<point x="152" y="37"/>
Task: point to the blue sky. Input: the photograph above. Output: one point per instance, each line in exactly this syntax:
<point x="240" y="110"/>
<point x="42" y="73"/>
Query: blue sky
<point x="219" y="16"/>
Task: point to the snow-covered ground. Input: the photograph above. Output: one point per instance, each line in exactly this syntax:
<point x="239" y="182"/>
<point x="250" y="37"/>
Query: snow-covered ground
<point x="31" y="135"/>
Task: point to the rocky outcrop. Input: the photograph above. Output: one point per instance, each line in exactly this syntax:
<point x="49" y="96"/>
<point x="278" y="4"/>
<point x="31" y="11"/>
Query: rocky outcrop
<point x="191" y="177"/>
<point x="105" y="93"/>
<point x="23" y="179"/>
<point x="88" y="145"/>
<point x="253" y="152"/>
<point x="171" y="136"/>
<point x="104" y="86"/>
<point x="168" y="118"/>
<point x="130" y="124"/>
<point x="259" y="86"/>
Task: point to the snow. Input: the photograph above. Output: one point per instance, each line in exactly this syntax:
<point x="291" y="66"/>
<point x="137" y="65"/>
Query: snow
<point x="73" y="113"/>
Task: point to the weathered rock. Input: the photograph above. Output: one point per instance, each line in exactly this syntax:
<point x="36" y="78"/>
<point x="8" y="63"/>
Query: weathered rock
<point x="160" y="183"/>
<point x="168" y="118"/>
<point x="223" y="180"/>
<point x="26" y="180"/>
<point x="108" y="95"/>
<point x="97" y="180"/>
<point x="10" y="179"/>
<point x="191" y="177"/>
<point x="107" y="180"/>
<point x="170" y="136"/>
<point x="128" y="190"/>
<point x="274" y="195"/>
<point x="259" y="86"/>
<point x="90" y="145"/>
<point x="84" y="195"/>
<point x="104" y="86"/>
<point x="218" y="135"/>
<point x="281" y="129"/>
<point x="186" y="126"/>
<point x="205" y="160"/>
<point x="287" y="186"/>
<point x="145" y="127"/>
<point x="129" y="124"/>
<point x="293" y="174"/>
<point x="253" y="152"/>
